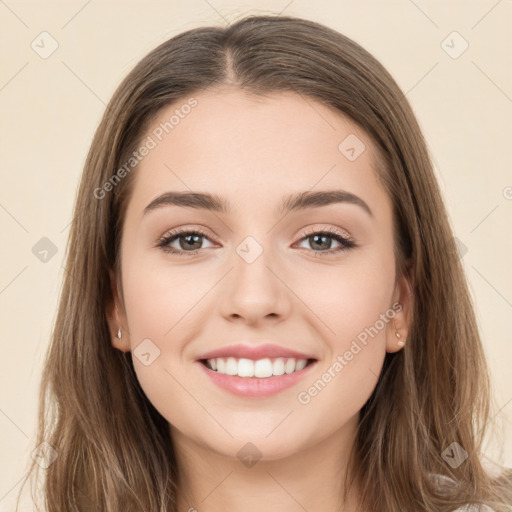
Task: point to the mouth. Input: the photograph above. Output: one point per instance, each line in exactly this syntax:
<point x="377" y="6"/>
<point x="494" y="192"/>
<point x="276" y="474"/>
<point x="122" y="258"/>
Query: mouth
<point x="260" y="378"/>
<point x="260" y="368"/>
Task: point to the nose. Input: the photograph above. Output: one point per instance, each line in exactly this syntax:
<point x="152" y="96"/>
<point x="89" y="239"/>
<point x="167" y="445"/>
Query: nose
<point x="255" y="291"/>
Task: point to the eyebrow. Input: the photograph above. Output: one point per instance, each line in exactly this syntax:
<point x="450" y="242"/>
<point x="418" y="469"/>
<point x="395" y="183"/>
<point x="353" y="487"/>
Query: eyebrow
<point x="296" y="201"/>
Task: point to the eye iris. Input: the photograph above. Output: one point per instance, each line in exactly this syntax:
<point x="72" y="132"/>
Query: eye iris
<point x="187" y="238"/>
<point x="313" y="239"/>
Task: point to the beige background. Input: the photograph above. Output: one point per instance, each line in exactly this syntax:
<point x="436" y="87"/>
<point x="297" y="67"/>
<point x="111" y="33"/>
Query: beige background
<point x="51" y="106"/>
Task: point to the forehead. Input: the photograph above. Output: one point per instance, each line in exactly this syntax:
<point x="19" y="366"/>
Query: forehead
<point x="254" y="148"/>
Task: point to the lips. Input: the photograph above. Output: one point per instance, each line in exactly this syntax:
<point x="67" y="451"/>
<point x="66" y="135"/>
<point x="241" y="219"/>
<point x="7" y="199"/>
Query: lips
<point x="255" y="352"/>
<point x="255" y="387"/>
<point x="260" y="370"/>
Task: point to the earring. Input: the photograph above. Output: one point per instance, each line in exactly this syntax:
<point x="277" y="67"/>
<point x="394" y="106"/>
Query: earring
<point x="119" y="333"/>
<point x="400" y="343"/>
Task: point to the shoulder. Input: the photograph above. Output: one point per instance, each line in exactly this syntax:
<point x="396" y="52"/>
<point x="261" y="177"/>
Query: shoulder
<point x="445" y="483"/>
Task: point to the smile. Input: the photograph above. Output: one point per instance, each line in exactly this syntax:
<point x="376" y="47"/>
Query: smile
<point x="260" y="368"/>
<point x="256" y="378"/>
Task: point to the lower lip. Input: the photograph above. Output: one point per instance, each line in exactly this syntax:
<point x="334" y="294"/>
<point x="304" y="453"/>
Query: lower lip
<point x="255" y="386"/>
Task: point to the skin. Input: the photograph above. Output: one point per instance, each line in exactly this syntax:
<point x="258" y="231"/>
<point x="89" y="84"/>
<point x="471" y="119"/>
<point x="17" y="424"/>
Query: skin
<point x="253" y="151"/>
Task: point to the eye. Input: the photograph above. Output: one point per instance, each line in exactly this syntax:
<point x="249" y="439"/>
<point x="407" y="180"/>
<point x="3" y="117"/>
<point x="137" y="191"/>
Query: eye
<point x="319" y="239"/>
<point x="186" y="238"/>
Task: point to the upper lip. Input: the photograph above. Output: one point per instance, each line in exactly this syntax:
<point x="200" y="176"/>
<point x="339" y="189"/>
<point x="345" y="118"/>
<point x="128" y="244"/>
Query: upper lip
<point x="254" y="352"/>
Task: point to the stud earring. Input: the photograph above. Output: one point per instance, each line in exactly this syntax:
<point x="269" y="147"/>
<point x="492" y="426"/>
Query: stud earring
<point x="400" y="343"/>
<point x="119" y="333"/>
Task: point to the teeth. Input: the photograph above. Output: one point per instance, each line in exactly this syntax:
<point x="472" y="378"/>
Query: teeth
<point x="231" y="366"/>
<point x="289" y="367"/>
<point x="301" y="364"/>
<point x="278" y="366"/>
<point x="261" y="368"/>
<point x="245" y="368"/>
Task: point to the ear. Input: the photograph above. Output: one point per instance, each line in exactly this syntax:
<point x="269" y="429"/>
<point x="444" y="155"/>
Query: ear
<point x="116" y="316"/>
<point x="402" y="305"/>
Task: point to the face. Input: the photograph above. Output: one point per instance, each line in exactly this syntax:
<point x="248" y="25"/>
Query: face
<point x="260" y="282"/>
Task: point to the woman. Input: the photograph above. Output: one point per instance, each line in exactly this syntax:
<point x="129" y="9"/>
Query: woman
<point x="210" y="351"/>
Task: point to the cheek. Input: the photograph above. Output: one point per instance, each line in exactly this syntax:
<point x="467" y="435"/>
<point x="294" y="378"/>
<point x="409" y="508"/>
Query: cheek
<point x="358" y="313"/>
<point x="353" y="304"/>
<point x="159" y="303"/>
<point x="350" y="298"/>
<point x="159" y="298"/>
<point x="164" y="306"/>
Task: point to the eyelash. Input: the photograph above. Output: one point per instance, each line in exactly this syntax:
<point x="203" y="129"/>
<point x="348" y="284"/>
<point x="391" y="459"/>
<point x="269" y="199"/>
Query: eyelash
<point x="163" y="242"/>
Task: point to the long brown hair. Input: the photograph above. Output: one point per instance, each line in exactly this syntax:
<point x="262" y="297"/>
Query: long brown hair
<point x="113" y="449"/>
